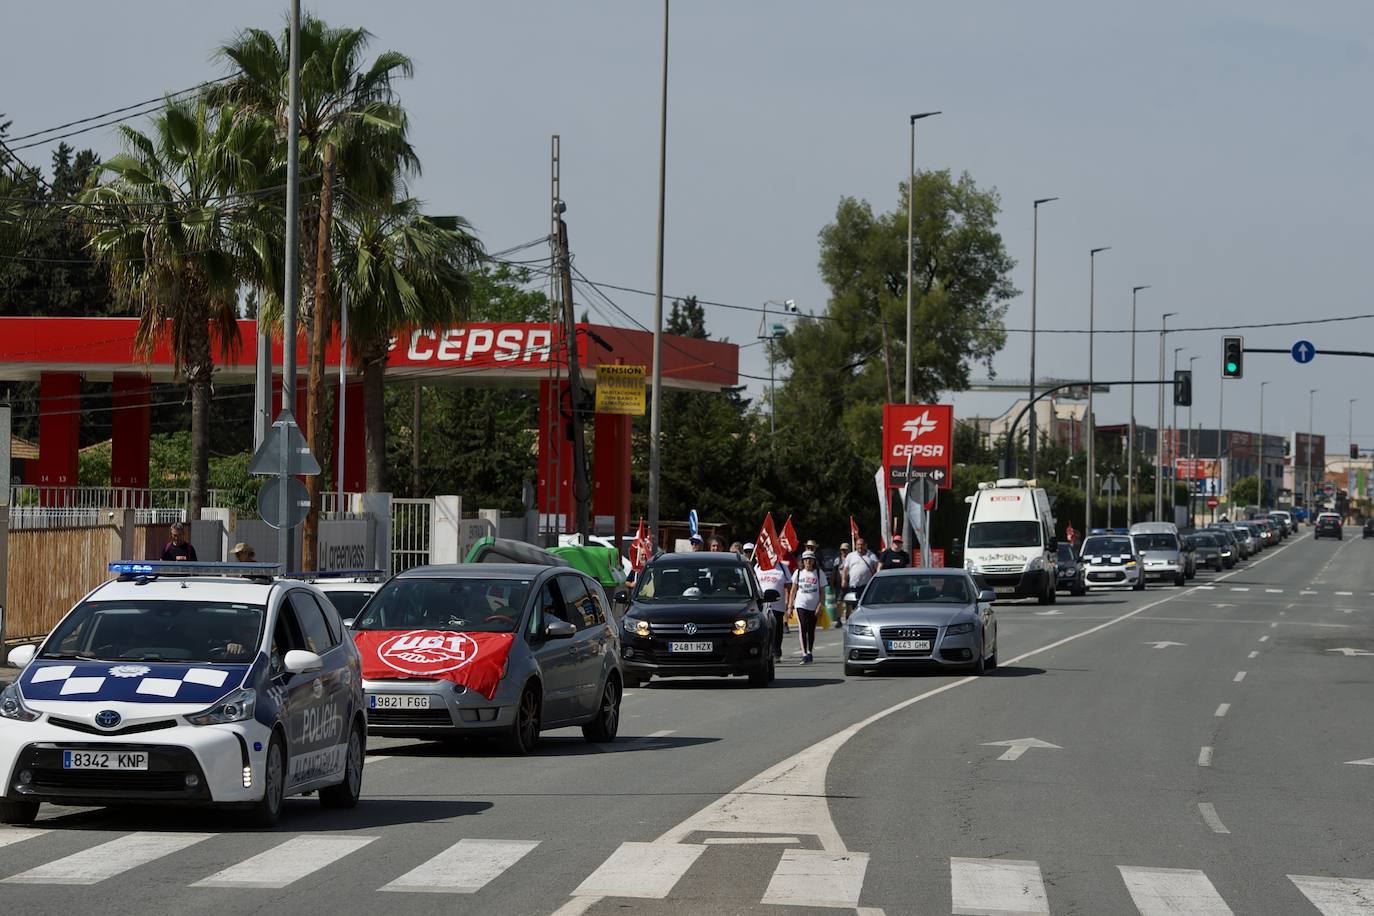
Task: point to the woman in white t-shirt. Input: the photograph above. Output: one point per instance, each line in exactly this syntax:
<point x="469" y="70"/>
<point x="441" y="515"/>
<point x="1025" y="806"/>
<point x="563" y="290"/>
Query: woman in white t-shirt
<point x="805" y="599"/>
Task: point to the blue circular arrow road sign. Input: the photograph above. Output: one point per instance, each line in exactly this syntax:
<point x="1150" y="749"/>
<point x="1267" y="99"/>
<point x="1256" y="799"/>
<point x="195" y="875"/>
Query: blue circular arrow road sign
<point x="692" y="521"/>
<point x="1303" y="352"/>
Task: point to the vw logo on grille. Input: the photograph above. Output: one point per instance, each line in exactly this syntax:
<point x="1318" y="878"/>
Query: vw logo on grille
<point x="107" y="718"/>
<point x="690" y="629"/>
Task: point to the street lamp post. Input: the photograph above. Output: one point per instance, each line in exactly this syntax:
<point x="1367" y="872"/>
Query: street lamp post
<point x="1088" y="472"/>
<point x="1192" y="453"/>
<point x="1262" y="465"/>
<point x="911" y="243"/>
<point x="1159" y="422"/>
<point x="655" y="393"/>
<point x="1174" y="449"/>
<point x="1307" y="488"/>
<point x="1130" y="432"/>
<point x="1350" y="444"/>
<point x="1035" y="259"/>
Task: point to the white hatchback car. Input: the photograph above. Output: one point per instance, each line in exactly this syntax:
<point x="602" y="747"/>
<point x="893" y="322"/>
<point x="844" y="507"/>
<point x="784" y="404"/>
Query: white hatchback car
<point x="186" y="683"/>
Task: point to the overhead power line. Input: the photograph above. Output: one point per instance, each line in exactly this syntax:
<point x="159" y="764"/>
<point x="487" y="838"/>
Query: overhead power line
<point x="155" y="102"/>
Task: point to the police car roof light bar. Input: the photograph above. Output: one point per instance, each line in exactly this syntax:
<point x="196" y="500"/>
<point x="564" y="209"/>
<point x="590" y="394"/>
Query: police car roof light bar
<point x="181" y="568"/>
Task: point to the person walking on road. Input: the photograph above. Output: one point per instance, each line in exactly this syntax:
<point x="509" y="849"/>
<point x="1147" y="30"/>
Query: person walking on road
<point x="807" y="587"/>
<point x="779" y="580"/>
<point x="179" y="548"/>
<point x="894" y="557"/>
<point x="858" y="567"/>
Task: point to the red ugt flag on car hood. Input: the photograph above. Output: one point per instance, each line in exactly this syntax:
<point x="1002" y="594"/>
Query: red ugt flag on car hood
<point x="475" y="660"/>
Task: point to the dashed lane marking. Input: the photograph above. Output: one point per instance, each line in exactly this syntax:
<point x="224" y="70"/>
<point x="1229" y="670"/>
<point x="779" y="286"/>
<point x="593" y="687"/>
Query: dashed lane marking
<point x="1204" y="757"/>
<point x="1209" y="815"/>
<point x="1240" y="676"/>
<point x="1223" y="709"/>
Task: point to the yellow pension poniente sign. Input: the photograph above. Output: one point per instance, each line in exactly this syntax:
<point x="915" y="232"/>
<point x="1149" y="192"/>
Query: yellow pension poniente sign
<point x="620" y="389"/>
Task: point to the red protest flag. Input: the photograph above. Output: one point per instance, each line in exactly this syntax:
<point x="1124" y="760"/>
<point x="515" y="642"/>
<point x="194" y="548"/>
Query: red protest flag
<point x="788" y="536"/>
<point x="640" y="548"/>
<point x="853" y="533"/>
<point x="767" y="550"/>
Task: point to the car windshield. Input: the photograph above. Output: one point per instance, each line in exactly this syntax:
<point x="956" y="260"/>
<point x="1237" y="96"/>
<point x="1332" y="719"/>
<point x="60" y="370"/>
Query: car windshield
<point x="477" y="605"/>
<point x="1004" y="534"/>
<point x="695" y="580"/>
<point x="922" y="589"/>
<point x="1065" y="553"/>
<point x="203" y="632"/>
<point x="1156" y="542"/>
<point x="1106" y="546"/>
<point x="348" y="604"/>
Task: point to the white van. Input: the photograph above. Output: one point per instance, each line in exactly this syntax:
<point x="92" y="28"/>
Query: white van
<point x="1009" y="544"/>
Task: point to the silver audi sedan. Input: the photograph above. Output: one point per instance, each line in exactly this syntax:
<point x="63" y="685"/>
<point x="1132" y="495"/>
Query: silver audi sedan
<point x="921" y="617"/>
<point x="503" y="650"/>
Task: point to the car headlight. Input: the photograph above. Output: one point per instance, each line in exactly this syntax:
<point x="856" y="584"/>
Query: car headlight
<point x="747" y="625"/>
<point x="632" y="626"/>
<point x="859" y="629"/>
<point x="1035" y="564"/>
<point x="12" y="706"/>
<point x="239" y="706"/>
<point x="958" y="629"/>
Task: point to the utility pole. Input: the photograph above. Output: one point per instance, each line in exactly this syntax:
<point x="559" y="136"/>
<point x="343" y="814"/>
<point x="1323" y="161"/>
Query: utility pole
<point x="581" y="486"/>
<point x="1035" y="262"/>
<point x="655" y="393"/>
<point x="1174" y="450"/>
<point x="1262" y="475"/>
<point x="319" y="337"/>
<point x="1159" y="423"/>
<point x="1221" y="433"/>
<point x="1130" y="432"/>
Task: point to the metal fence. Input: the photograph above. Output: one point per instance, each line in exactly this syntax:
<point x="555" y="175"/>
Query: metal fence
<point x="114" y="497"/>
<point x="411" y="523"/>
<point x="28" y="518"/>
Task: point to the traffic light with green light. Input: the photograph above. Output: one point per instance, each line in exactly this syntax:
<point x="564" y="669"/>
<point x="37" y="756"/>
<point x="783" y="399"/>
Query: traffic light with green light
<point x="1183" y="388"/>
<point x="1233" y="357"/>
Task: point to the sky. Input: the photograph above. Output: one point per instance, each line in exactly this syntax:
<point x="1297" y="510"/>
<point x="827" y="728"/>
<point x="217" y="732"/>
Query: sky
<point x="1221" y="149"/>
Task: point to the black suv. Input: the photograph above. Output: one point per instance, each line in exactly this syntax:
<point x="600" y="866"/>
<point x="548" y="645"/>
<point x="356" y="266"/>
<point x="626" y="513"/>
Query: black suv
<point x="1328" y="526"/>
<point x="698" y="614"/>
<point x="1070" y="577"/>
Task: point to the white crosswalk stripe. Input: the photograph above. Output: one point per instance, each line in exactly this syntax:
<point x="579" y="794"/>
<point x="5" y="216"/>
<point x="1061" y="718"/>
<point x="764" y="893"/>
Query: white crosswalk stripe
<point x="287" y="863"/>
<point x="11" y="835"/>
<point x="91" y="866"/>
<point x="464" y="868"/>
<point x="996" y="886"/>
<point x="1172" y="892"/>
<point x="1337" y="896"/>
<point x="646" y="870"/>
<point x="814" y="877"/>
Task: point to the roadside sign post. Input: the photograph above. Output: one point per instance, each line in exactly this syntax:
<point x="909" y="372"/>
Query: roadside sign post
<point x="1111" y="487"/>
<point x="284" y="456"/>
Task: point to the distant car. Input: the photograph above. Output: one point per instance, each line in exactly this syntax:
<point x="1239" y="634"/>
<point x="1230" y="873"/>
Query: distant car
<point x="1110" y="561"/>
<point x="349" y="593"/>
<point x="1230" y="547"/>
<point x="1157" y="544"/>
<point x="1284" y="519"/>
<point x="503" y="650"/>
<point x="1369" y="528"/>
<point x="1070" y="577"/>
<point x="698" y="615"/>
<point x="1329" y="526"/>
<point x="1206" y="548"/>
<point x="922" y="617"/>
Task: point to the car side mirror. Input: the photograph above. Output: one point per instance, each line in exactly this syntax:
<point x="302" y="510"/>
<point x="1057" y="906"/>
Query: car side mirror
<point x="20" y="656"/>
<point x="348" y="624"/>
<point x="770" y="595"/>
<point x="559" y="629"/>
<point x="987" y="596"/>
<point x="851" y="597"/>
<point x="299" y="661"/>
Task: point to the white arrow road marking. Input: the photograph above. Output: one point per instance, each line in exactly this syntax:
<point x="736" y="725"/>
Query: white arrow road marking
<point x="1209" y="814"/>
<point x="1367" y="762"/>
<point x="1047" y="613"/>
<point x="1348" y="652"/>
<point x="1018" y="746"/>
<point x="1164" y="644"/>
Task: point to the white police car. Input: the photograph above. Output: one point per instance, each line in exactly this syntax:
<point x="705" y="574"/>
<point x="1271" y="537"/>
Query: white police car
<point x="187" y="683"/>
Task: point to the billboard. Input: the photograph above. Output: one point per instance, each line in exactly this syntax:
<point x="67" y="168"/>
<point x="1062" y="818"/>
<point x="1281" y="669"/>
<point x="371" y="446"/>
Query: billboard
<point x="923" y="433"/>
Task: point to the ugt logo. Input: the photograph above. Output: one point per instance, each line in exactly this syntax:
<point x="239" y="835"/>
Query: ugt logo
<point x="425" y="652"/>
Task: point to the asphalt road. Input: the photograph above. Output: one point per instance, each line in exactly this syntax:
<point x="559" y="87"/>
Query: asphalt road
<point x="1173" y="784"/>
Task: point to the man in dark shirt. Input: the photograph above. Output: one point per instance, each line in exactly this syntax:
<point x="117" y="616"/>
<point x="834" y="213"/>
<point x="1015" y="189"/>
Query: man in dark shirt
<point x="894" y="557"/>
<point x="179" y="548"/>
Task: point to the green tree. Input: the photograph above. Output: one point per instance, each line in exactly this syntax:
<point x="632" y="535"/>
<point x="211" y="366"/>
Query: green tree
<point x="402" y="269"/>
<point x="178" y="248"/>
<point x="1245" y="492"/>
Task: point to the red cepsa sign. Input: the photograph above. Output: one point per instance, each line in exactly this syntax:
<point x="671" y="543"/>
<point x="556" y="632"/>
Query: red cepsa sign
<point x="922" y="432"/>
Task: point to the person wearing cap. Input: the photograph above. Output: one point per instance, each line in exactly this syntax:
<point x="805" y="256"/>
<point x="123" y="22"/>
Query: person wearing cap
<point x="805" y="599"/>
<point x="697" y="543"/>
<point x="244" y="553"/>
<point x="894" y="557"/>
<point x="778" y="579"/>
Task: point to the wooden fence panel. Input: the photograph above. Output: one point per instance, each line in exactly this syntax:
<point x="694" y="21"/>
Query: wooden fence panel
<point x="50" y="570"/>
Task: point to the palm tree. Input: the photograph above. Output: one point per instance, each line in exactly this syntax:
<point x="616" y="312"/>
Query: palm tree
<point x="346" y="106"/>
<point x="402" y="269"/>
<point x="174" y="226"/>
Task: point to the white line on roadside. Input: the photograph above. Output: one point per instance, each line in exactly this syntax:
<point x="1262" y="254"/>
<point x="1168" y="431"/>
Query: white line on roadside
<point x="1274" y="625"/>
<point x="1306" y="592"/>
<point x="1240" y="588"/>
<point x="1223" y="709"/>
<point x="1345" y="594"/>
<point x="1204" y="757"/>
<point x="1240" y="676"/>
<point x="1273" y="591"/>
<point x="1209" y="815"/>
